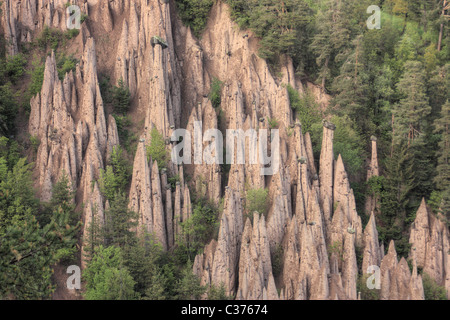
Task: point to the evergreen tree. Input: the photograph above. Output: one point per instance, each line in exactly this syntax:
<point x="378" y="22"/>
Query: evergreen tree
<point x="63" y="197"/>
<point x="29" y="251"/>
<point x="17" y="197"/>
<point x="189" y="287"/>
<point x="107" y="278"/>
<point x="442" y="178"/>
<point x="121" y="98"/>
<point x="351" y="88"/>
<point x="411" y="113"/>
<point x="332" y="36"/>
<point x="119" y="222"/>
<point x="394" y="200"/>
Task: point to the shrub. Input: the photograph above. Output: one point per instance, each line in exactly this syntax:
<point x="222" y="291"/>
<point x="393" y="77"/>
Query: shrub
<point x="72" y="33"/>
<point x="157" y="149"/>
<point x="366" y="293"/>
<point x="8" y="109"/>
<point x="277" y="260"/>
<point x="15" y="67"/>
<point x="173" y="181"/>
<point x="194" y="13"/>
<point x="256" y="200"/>
<point x="37" y="77"/>
<point x="432" y="290"/>
<point x="216" y="93"/>
<point x="121" y="98"/>
<point x="65" y="64"/>
<point x="305" y="107"/>
<point x="198" y="230"/>
<point x="52" y="37"/>
<point x="273" y="123"/>
<point x="83" y="17"/>
<point x="218" y="293"/>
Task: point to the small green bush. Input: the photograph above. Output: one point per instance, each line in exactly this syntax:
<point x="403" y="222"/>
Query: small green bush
<point x="72" y="33"/>
<point x="157" y="149"/>
<point x="305" y="107"/>
<point x="194" y="13"/>
<point x="215" y="95"/>
<point x="65" y="64"/>
<point x="256" y="200"/>
<point x="52" y="37"/>
<point x="273" y="123"/>
<point x="121" y="98"/>
<point x="432" y="290"/>
<point x="37" y="77"/>
<point x="277" y="260"/>
<point x="15" y="67"/>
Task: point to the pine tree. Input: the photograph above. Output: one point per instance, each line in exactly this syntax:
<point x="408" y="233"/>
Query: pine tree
<point x="121" y="98"/>
<point x="410" y="114"/>
<point x="442" y="178"/>
<point x="331" y="38"/>
<point x="63" y="197"/>
<point x="189" y="287"/>
<point x="394" y="200"/>
<point x="442" y="124"/>
<point x="107" y="278"/>
<point x="351" y="88"/>
<point x="119" y="222"/>
<point x="28" y="253"/>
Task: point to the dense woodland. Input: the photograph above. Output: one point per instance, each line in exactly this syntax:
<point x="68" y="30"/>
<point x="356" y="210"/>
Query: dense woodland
<point x="391" y="83"/>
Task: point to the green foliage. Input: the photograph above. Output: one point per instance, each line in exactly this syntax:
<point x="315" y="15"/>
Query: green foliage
<point x="305" y="107"/>
<point x="29" y="249"/>
<point x="107" y="278"/>
<point x="349" y="144"/>
<point x="63" y="197"/>
<point x="17" y="195"/>
<point x="194" y="13"/>
<point x="120" y="222"/>
<point x="375" y="185"/>
<point x="189" y="287"/>
<point x="257" y="200"/>
<point x="127" y="138"/>
<point x="198" y="230"/>
<point x="411" y="112"/>
<point x="35" y="142"/>
<point x="84" y="17"/>
<point x="65" y="64"/>
<point x="281" y="26"/>
<point x="116" y="176"/>
<point x="50" y="37"/>
<point x="218" y="293"/>
<point x="366" y="293"/>
<point x="273" y="123"/>
<point x="442" y="178"/>
<point x="144" y="260"/>
<point x="277" y="260"/>
<point x="107" y="183"/>
<point x="432" y="290"/>
<point x="215" y="95"/>
<point x="173" y="181"/>
<point x="8" y="109"/>
<point x="156" y="150"/>
<point x="336" y="248"/>
<point x="37" y="76"/>
<point x="15" y="67"/>
<point x="121" y="98"/>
